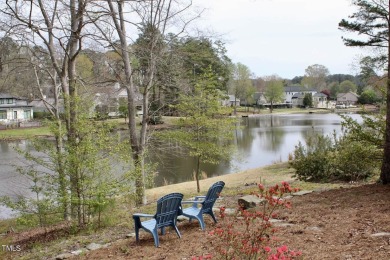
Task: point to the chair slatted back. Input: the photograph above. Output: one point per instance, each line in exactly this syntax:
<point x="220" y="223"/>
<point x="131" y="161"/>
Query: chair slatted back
<point x="168" y="208"/>
<point x="212" y="195"/>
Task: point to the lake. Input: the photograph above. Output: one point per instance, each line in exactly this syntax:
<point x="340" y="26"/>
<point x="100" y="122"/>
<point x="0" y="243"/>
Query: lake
<point x="261" y="140"/>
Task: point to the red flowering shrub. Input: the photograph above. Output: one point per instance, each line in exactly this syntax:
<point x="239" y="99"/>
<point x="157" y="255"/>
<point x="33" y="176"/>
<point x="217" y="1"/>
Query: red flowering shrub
<point x="250" y="234"/>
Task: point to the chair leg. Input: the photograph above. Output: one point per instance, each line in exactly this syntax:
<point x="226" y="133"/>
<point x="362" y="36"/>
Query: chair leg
<point x="136" y="234"/>
<point x="177" y="231"/>
<point x="212" y="215"/>
<point x="202" y="225"/>
<point x="137" y="225"/>
<point x="201" y="221"/>
<point x="155" y="237"/>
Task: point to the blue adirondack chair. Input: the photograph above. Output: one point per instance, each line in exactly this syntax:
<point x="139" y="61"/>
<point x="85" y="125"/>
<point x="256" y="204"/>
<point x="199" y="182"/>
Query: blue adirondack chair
<point x="168" y="208"/>
<point x="203" y="204"/>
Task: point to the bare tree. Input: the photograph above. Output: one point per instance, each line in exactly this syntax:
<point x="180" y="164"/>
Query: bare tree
<point x="53" y="24"/>
<point x="154" y="17"/>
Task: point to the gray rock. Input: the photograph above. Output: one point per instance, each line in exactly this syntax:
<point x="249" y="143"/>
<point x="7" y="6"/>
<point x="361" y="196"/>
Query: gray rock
<point x="249" y="201"/>
<point x="274" y="220"/>
<point x="106" y="245"/>
<point x="94" y="246"/>
<point x="381" y="234"/>
<point x="230" y="211"/>
<point x="182" y="218"/>
<point x="64" y="256"/>
<point x="302" y="192"/>
<point x="283" y="224"/>
<point x="317" y="229"/>
<point x="130" y="235"/>
<point x="77" y="252"/>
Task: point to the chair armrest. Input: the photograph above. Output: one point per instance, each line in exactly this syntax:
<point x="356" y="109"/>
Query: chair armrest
<point x="141" y="215"/>
<point x="195" y="203"/>
<point x="197" y="199"/>
<point x="191" y="202"/>
<point x="200" y="197"/>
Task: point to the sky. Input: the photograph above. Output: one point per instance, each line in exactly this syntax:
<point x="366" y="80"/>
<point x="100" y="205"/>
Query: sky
<point x="283" y="37"/>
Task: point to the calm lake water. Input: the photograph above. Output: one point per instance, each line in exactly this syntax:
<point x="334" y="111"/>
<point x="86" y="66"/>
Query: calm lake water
<point x="261" y="140"/>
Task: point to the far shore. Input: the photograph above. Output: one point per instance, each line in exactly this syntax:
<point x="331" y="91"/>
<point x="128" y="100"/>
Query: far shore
<point x="43" y="131"/>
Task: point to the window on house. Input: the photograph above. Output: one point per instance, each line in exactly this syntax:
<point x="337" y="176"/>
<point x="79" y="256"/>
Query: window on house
<point x="3" y="114"/>
<point x="27" y="114"/>
<point x="1" y="101"/>
<point x="10" y="101"/>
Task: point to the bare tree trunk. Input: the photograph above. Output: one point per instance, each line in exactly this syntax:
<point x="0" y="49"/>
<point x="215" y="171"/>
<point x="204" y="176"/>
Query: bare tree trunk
<point x="59" y="157"/>
<point x="74" y="43"/>
<point x="385" y="170"/>
<point x="197" y="174"/>
<point x="150" y="13"/>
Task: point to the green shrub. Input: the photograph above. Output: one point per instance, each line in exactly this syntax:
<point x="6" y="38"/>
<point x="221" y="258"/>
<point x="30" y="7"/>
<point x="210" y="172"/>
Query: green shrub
<point x="310" y="165"/>
<point x="346" y="158"/>
<point x="355" y="161"/>
<point x="41" y="115"/>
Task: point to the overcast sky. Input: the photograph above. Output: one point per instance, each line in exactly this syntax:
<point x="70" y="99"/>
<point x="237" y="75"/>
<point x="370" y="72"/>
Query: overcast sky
<point x="282" y="37"/>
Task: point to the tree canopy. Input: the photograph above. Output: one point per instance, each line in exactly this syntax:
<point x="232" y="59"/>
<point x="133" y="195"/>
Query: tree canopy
<point x="315" y="76"/>
<point x="274" y="90"/>
<point x="371" y="23"/>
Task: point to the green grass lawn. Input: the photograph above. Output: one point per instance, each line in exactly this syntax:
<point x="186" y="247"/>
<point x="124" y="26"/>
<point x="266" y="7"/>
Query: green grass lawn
<point x="23" y="133"/>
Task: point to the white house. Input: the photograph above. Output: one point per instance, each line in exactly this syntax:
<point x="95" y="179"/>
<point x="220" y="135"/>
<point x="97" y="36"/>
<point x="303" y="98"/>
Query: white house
<point x="231" y="101"/>
<point x="297" y="99"/>
<point x="259" y="98"/>
<point x="349" y="98"/>
<point x="320" y="100"/>
<point x="13" y="109"/>
<point x="108" y="99"/>
<point x="290" y="91"/>
<point x="39" y="104"/>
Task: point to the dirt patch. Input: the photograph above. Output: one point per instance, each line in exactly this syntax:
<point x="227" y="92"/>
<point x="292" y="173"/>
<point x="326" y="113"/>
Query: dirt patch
<point x="344" y="223"/>
<point x="334" y="224"/>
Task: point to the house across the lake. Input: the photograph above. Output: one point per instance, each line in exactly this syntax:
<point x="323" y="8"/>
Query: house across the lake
<point x="231" y="101"/>
<point x="108" y="100"/>
<point x="14" y="110"/>
<point x="293" y="97"/>
<point x="346" y="99"/>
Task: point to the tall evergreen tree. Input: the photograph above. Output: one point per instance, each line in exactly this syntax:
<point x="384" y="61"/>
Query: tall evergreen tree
<point x="371" y="20"/>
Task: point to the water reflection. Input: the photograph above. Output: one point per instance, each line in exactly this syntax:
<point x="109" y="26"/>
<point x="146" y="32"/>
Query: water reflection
<point x="261" y="140"/>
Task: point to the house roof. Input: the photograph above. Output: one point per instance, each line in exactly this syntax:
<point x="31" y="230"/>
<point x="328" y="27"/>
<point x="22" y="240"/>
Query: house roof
<point x="257" y="95"/>
<point x="339" y="95"/>
<point x="41" y="103"/>
<point x="297" y="89"/>
<point x="232" y="98"/>
<point x="319" y="94"/>
<point x="292" y="89"/>
<point x="298" y="95"/>
<point x="5" y="95"/>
